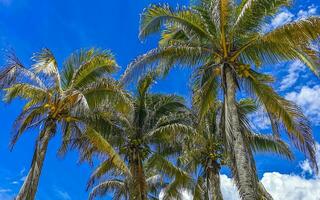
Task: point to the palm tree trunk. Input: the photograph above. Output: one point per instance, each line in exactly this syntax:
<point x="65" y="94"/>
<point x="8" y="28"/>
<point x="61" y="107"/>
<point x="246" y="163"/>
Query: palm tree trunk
<point x="263" y="193"/>
<point x="214" y="190"/>
<point x="245" y="178"/>
<point x="139" y="186"/>
<point x="30" y="185"/>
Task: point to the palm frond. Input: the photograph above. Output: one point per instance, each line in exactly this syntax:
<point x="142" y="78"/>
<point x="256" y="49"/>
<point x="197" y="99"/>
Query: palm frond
<point x="298" y="33"/>
<point x="103" y="146"/>
<point x="184" y="55"/>
<point x="25" y="91"/>
<point x="158" y="162"/>
<point x="88" y="66"/>
<point x="107" y="90"/>
<point x="156" y="16"/>
<point x="167" y="131"/>
<point x="155" y="180"/>
<point x="247" y="106"/>
<point x="29" y="118"/>
<point x="71" y="131"/>
<point x="161" y="105"/>
<point x="102" y="170"/>
<point x="295" y="123"/>
<point x="252" y="13"/>
<point x="15" y="72"/>
<point x="106" y="186"/>
<point x="261" y="52"/>
<point x="171" y="34"/>
<point x="205" y="89"/>
<point x="223" y="13"/>
<point x="265" y="143"/>
<point x="46" y="63"/>
<point x="145" y="83"/>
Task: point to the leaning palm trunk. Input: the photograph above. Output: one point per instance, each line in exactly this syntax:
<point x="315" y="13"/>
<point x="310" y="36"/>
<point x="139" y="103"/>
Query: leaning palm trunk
<point x="139" y="186"/>
<point x="30" y="185"/>
<point x="214" y="190"/>
<point x="262" y="192"/>
<point x="242" y="169"/>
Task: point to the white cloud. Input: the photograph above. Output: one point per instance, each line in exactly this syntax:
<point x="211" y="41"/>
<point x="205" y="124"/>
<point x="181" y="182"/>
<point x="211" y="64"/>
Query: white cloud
<point x="306" y="167"/>
<point x="185" y="194"/>
<point x="282" y="186"/>
<point x="293" y="74"/>
<point x="228" y="188"/>
<point x="285" y="16"/>
<point x="308" y="99"/>
<point x="312" y="10"/>
<point x="291" y="187"/>
<point x="282" y="18"/>
<point x="63" y="195"/>
<point x="260" y="120"/>
<point x="4" y="190"/>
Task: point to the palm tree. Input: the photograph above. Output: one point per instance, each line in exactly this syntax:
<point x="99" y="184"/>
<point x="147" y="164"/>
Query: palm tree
<point x="204" y="153"/>
<point x="136" y="139"/>
<point x="226" y="42"/>
<point x="52" y="99"/>
<point x="113" y="174"/>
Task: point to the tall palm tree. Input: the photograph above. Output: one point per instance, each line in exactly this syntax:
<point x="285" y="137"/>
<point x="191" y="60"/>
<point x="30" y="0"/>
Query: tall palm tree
<point x="113" y="175"/>
<point x="204" y="153"/>
<point x="227" y="42"/>
<point x="52" y="99"/>
<point x="133" y="139"/>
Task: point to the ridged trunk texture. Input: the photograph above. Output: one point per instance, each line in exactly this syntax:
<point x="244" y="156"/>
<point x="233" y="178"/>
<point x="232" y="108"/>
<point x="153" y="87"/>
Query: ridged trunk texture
<point x="241" y="162"/>
<point x="139" y="186"/>
<point x="29" y="188"/>
<point x="214" y="190"/>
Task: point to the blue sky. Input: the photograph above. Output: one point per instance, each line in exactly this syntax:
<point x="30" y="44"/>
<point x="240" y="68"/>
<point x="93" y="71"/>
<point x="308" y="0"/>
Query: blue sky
<point x="67" y="25"/>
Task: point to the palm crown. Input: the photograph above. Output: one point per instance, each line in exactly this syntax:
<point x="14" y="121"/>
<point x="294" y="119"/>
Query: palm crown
<point x="226" y="40"/>
<point x="53" y="99"/>
<point x="136" y="140"/>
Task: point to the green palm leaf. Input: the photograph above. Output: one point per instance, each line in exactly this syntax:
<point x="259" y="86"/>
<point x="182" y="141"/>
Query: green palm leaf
<point x="156" y="16"/>
<point x="103" y="146"/>
<point x="264" y="143"/>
